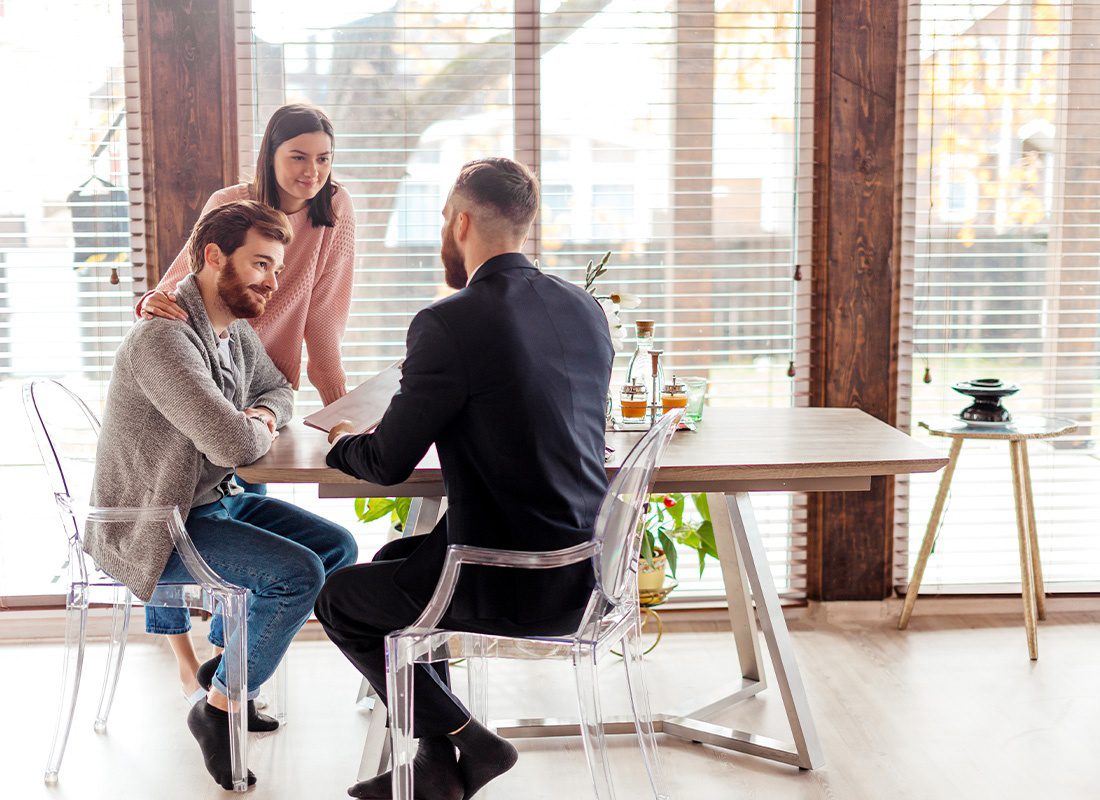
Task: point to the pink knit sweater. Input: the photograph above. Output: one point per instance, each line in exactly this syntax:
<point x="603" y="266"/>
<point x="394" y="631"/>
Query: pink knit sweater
<point x="313" y="299"/>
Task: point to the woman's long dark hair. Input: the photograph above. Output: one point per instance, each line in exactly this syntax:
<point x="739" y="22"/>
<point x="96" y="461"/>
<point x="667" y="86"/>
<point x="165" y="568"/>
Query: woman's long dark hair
<point x="286" y="123"/>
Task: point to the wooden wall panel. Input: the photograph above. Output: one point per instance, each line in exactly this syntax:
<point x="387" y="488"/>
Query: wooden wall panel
<point x="856" y="285"/>
<point x="188" y="98"/>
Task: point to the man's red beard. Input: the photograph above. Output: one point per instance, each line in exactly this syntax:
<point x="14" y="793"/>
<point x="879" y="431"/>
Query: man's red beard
<point x="454" y="266"/>
<point x="240" y="299"/>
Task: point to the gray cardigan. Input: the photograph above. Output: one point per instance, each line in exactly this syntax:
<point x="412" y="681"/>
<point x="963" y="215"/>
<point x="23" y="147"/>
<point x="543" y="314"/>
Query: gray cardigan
<point x="166" y="419"/>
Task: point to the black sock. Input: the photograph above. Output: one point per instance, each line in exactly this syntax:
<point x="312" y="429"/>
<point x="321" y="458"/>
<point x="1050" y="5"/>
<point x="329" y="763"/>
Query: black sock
<point x="260" y="723"/>
<point x="210" y="727"/>
<point x="482" y="755"/>
<point x="205" y="673"/>
<point x="257" y="722"/>
<point x="435" y="775"/>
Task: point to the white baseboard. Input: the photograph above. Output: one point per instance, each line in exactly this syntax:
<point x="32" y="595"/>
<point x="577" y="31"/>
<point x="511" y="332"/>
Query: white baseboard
<point x="890" y="609"/>
<point x="49" y="625"/>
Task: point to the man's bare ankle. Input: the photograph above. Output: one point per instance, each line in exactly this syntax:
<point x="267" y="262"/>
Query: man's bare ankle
<point x="217" y="700"/>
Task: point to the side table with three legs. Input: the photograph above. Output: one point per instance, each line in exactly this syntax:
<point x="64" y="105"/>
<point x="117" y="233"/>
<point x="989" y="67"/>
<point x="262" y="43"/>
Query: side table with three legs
<point x="1016" y="433"/>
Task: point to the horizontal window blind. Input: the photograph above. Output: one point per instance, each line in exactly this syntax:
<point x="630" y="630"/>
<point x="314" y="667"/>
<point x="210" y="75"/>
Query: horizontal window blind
<point x="67" y="275"/>
<point x="675" y="135"/>
<point x="1002" y="277"/>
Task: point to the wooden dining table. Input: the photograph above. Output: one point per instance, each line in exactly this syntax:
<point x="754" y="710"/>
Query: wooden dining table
<point x="732" y="454"/>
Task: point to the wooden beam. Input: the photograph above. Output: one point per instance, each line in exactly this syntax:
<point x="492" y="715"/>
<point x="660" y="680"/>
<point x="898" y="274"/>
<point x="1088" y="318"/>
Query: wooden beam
<point x="692" y="212"/>
<point x="855" y="278"/>
<point x="1069" y="358"/>
<point x="189" y="116"/>
<point x="526" y="91"/>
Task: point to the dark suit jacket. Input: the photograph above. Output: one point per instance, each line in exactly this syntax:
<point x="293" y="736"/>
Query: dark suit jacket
<point x="508" y="377"/>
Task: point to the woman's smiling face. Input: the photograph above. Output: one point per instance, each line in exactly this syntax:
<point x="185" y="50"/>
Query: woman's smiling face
<point x="302" y="166"/>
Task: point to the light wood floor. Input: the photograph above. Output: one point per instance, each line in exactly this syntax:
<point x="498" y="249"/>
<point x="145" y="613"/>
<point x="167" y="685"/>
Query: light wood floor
<point x="950" y="709"/>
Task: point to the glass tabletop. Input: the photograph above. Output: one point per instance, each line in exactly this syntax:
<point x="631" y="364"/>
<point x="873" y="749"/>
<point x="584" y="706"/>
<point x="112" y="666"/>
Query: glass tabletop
<point x="1021" y="427"/>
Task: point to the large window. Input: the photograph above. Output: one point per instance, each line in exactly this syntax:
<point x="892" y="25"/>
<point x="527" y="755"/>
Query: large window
<point x="66" y="274"/>
<point x="675" y="134"/>
<point x="1002" y="265"/>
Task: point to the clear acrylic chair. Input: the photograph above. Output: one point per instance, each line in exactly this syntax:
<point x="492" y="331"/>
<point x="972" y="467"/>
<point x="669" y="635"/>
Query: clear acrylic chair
<point x="611" y="619"/>
<point x="66" y="431"/>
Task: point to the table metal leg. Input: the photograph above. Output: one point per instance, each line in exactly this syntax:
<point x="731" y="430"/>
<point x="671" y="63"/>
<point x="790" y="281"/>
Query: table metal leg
<point x="1027" y="586"/>
<point x="774" y="626"/>
<point x="376" y="747"/>
<point x="366" y="693"/>
<point x="739" y="600"/>
<point x="423" y="514"/>
<point x="930" y="534"/>
<point x="1033" y="534"/>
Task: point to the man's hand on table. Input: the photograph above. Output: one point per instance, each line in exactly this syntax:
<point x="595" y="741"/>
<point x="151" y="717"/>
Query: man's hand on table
<point x="266" y="416"/>
<point x="340" y="430"/>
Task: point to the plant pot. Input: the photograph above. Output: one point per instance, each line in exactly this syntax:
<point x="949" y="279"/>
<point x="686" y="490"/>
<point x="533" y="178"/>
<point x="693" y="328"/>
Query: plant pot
<point x="652" y="578"/>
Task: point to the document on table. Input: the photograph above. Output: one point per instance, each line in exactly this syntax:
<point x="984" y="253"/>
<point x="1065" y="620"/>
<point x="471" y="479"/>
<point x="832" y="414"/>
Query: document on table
<point x="363" y="406"/>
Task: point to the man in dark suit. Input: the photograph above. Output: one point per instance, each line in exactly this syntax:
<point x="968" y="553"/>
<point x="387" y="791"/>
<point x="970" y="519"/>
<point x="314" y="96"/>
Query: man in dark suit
<point x="508" y="378"/>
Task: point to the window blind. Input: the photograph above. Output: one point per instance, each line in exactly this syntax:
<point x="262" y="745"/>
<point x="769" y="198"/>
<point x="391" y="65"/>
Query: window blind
<point x="674" y="134"/>
<point x="1001" y="275"/>
<point x="67" y="265"/>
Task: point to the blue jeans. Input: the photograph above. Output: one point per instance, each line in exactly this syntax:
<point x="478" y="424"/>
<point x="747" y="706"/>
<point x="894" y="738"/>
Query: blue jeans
<point x="280" y="552"/>
<point x="251" y="488"/>
<point x="178" y="620"/>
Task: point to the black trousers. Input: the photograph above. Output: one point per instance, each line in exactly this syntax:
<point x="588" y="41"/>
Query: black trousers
<point x="360" y="605"/>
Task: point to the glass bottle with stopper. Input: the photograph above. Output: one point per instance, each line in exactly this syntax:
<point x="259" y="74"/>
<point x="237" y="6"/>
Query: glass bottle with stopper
<point x="640" y="367"/>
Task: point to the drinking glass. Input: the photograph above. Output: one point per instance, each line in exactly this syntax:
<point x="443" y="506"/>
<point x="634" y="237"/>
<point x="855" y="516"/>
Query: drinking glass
<point x="696" y="389"/>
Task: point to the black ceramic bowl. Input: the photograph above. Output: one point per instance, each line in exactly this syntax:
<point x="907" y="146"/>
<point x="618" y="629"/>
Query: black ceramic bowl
<point x="987" y="394"/>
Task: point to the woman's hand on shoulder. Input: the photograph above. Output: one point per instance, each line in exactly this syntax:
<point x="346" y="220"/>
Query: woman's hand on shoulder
<point x="162" y="304"/>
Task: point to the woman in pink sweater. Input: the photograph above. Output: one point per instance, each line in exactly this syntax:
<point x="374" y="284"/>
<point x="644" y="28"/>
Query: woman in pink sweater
<point x="293" y="174"/>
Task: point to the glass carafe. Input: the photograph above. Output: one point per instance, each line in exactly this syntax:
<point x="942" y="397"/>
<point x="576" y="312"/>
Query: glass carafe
<point x="641" y="365"/>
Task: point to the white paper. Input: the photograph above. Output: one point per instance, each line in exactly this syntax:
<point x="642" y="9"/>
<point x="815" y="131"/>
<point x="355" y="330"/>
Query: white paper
<point x="363" y="406"/>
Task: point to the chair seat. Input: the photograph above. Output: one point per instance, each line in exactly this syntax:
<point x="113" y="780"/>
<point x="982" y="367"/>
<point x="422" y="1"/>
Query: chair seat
<point x="449" y="645"/>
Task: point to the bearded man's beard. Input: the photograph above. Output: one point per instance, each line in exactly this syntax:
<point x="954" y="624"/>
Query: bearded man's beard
<point x="454" y="266"/>
<point x="243" y="301"/>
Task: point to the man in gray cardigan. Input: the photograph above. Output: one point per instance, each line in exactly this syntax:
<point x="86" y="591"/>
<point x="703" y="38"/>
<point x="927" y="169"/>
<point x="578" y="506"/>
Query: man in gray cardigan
<point x="190" y="400"/>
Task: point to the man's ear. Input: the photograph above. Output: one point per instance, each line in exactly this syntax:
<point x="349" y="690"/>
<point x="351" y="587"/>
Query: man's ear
<point x="462" y="226"/>
<point x="213" y="256"/>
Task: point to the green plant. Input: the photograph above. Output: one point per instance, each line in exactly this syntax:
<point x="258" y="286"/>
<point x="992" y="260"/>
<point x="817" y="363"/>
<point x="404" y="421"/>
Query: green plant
<point x="374" y="508"/>
<point x="670" y="520"/>
<point x="593" y="271"/>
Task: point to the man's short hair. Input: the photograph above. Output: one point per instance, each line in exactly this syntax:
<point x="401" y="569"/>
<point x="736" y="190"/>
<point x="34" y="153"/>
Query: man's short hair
<point x="504" y="191"/>
<point x="227" y="226"/>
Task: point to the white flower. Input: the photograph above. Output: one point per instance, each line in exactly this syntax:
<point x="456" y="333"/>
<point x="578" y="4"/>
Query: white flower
<point x="614" y="324"/>
<point x="626" y="300"/>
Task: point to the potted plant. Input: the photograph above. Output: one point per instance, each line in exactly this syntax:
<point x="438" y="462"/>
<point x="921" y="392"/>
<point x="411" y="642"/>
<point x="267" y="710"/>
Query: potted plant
<point x="374" y="508"/>
<point x="672" y="519"/>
